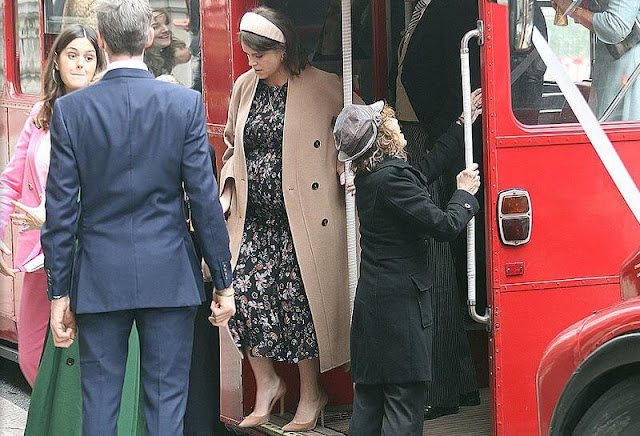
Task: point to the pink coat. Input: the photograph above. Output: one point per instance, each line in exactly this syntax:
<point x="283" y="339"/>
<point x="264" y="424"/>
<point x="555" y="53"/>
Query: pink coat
<point x="20" y="181"/>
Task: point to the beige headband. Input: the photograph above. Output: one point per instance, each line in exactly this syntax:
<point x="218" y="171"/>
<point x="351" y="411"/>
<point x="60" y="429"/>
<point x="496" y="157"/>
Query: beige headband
<point x="259" y="25"/>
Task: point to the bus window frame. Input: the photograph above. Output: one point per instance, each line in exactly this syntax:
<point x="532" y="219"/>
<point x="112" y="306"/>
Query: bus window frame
<point x="627" y="127"/>
<point x="12" y="76"/>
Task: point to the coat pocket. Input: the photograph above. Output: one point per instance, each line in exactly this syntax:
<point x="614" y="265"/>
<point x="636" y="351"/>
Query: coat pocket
<point x="423" y="283"/>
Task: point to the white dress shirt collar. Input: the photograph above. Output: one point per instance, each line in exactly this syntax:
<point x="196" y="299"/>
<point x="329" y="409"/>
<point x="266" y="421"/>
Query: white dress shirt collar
<point x="129" y="63"/>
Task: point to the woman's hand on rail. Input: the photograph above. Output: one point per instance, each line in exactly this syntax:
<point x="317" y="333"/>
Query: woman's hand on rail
<point x="476" y="106"/>
<point x="351" y="187"/>
<point x="32" y="218"/>
<point x="469" y="179"/>
<point x="5" y="269"/>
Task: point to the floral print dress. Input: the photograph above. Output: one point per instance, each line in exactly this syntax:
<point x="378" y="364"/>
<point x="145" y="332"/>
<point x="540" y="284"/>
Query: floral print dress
<point x="273" y="318"/>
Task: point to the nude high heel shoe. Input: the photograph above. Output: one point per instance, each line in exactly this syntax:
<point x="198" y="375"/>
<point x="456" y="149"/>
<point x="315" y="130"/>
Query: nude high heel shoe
<point x="256" y="420"/>
<point x="308" y="426"/>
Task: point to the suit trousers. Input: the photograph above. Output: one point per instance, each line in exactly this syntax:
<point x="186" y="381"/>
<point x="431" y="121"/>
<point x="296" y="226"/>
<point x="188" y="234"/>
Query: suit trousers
<point x="388" y="409"/>
<point x="166" y="339"/>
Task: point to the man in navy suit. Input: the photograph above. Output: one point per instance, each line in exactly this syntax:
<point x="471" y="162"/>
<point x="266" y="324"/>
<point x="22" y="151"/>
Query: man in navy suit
<point x="116" y="246"/>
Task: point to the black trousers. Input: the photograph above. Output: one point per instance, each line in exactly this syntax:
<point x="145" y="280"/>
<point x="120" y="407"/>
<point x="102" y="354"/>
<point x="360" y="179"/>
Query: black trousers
<point x="202" y="417"/>
<point x="166" y="336"/>
<point x="388" y="409"/>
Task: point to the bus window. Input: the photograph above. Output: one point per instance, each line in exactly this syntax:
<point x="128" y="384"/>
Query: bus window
<point x="57" y="13"/>
<point x="601" y="71"/>
<point x="28" y="41"/>
<point x="319" y="25"/>
<point x="170" y="53"/>
<point x="535" y="97"/>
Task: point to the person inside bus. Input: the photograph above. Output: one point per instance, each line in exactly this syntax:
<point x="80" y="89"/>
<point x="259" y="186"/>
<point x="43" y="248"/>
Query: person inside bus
<point x="428" y="99"/>
<point x="73" y="61"/>
<point x="617" y="54"/>
<point x="281" y="183"/>
<point x="166" y="51"/>
<point x="392" y="324"/>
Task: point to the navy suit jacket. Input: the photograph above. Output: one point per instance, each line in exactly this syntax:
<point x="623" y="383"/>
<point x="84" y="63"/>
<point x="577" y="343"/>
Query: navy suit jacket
<point x="121" y="152"/>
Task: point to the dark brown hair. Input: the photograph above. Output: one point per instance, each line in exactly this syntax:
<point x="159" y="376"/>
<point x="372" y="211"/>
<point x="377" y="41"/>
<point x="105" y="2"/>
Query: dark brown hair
<point x="162" y="60"/>
<point x="295" y="57"/>
<point x="52" y="85"/>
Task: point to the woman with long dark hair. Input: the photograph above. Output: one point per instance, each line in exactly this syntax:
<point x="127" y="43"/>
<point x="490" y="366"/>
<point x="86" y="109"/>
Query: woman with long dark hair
<point x="166" y="51"/>
<point x="74" y="59"/>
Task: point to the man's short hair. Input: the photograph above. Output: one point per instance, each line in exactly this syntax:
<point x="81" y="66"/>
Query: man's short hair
<point x="124" y="24"/>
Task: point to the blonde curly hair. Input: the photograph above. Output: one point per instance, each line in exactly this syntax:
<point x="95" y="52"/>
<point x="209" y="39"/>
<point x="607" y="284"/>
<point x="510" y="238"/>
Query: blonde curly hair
<point x="386" y="144"/>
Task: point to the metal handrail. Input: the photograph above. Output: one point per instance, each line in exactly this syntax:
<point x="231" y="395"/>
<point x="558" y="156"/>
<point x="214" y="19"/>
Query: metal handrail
<point x="468" y="157"/>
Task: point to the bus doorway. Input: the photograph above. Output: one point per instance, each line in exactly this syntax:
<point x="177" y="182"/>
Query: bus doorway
<point x="377" y="28"/>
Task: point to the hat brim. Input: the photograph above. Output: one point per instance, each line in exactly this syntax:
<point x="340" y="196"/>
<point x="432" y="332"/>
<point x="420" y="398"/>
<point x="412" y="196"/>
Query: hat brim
<point x="343" y="157"/>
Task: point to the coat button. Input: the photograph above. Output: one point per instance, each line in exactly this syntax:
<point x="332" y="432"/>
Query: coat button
<point x="70" y="361"/>
<point x="315" y="185"/>
<point x="316" y="143"/>
<point x="325" y="222"/>
<point x="30" y="186"/>
<point x="467" y="205"/>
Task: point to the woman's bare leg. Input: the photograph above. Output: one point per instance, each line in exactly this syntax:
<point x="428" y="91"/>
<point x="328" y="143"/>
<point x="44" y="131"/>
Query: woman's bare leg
<point x="266" y="383"/>
<point x="311" y="392"/>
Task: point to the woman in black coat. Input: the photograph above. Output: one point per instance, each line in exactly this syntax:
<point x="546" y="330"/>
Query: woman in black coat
<point x="391" y="331"/>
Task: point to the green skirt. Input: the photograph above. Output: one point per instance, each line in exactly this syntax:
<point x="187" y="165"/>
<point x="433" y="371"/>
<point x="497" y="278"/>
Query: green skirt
<point x="56" y="399"/>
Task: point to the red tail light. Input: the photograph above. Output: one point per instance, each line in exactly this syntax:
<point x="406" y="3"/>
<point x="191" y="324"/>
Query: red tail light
<point x="514" y="216"/>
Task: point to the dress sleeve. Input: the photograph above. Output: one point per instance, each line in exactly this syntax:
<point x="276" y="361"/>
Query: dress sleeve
<point x="615" y="22"/>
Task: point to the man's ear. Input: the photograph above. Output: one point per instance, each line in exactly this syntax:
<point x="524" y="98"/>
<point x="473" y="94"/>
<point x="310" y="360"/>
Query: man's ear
<point x="149" y="38"/>
<point x="101" y="43"/>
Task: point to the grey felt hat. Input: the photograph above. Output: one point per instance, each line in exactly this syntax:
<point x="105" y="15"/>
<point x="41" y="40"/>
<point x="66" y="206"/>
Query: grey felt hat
<point x="356" y="129"/>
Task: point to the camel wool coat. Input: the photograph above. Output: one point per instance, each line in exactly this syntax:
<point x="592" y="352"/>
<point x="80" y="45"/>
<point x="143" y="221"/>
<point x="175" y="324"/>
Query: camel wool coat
<point x="313" y="197"/>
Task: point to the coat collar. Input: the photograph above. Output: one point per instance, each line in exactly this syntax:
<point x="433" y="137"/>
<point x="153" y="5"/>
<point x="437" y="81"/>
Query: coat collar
<point x="399" y="163"/>
<point x="127" y="72"/>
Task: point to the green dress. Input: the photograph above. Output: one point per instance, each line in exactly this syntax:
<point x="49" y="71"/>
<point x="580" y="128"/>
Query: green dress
<point x="56" y="399"/>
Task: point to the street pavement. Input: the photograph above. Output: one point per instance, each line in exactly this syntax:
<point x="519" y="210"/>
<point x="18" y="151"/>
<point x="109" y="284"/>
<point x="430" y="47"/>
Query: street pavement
<point x="14" y="399"/>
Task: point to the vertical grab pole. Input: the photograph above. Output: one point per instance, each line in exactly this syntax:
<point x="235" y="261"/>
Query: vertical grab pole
<point x="347" y="79"/>
<point x="468" y="158"/>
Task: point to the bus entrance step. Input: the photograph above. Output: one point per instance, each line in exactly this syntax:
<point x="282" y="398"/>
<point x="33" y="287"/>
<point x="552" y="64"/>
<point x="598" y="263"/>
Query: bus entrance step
<point x="470" y="421"/>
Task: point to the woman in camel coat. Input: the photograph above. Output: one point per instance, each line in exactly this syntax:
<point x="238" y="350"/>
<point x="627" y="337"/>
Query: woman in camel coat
<point x="298" y="103"/>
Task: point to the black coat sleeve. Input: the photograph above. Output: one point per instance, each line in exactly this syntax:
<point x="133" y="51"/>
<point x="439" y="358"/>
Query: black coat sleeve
<point x="431" y="69"/>
<point x="403" y="196"/>
<point x="447" y="153"/>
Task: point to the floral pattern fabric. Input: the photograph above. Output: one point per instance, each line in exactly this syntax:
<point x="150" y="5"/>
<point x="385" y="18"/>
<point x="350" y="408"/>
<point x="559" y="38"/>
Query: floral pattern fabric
<point x="273" y="318"/>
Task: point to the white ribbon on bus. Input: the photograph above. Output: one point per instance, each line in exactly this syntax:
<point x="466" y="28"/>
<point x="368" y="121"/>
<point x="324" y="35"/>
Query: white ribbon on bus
<point x="592" y="128"/>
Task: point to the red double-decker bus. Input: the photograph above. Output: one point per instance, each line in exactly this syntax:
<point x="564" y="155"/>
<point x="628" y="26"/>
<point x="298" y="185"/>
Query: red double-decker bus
<point x="560" y="351"/>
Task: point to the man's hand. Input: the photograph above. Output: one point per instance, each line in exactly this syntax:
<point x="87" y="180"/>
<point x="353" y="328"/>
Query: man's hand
<point x="5" y="269"/>
<point x="222" y="308"/>
<point x="63" y="323"/>
<point x="32" y="218"/>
